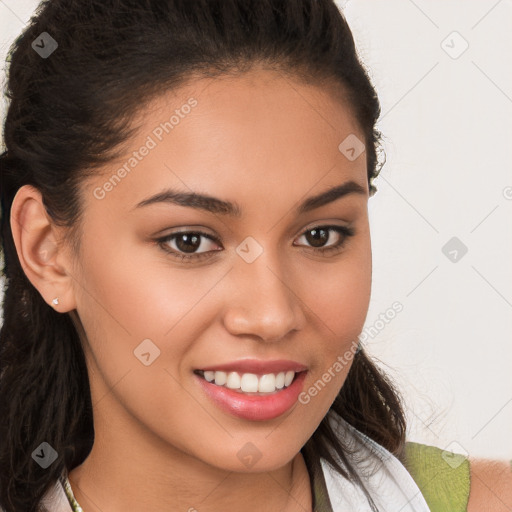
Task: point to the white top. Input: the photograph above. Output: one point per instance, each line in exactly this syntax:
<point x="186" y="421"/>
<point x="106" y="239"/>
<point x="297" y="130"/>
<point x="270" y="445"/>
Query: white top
<point x="385" y="478"/>
<point x="390" y="485"/>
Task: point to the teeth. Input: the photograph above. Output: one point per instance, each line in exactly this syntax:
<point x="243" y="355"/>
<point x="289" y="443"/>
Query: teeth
<point x="233" y="381"/>
<point x="267" y="383"/>
<point x="288" y="378"/>
<point x="220" y="378"/>
<point x="210" y="376"/>
<point x="250" y="382"/>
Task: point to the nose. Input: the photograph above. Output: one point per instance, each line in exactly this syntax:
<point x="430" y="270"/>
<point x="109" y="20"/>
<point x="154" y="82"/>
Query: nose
<point x="262" y="300"/>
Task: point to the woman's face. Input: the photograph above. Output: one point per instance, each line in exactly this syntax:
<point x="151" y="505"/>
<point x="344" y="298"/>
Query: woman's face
<point x="259" y="289"/>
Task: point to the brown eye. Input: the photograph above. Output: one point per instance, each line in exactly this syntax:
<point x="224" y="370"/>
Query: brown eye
<point x="318" y="236"/>
<point x="187" y="244"/>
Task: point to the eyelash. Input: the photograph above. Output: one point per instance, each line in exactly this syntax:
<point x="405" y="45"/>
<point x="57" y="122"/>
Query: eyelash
<point x="346" y="232"/>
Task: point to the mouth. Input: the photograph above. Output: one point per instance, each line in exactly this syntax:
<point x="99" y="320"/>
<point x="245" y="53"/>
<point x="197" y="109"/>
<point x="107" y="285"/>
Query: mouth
<point x="250" y="383"/>
<point x="252" y="396"/>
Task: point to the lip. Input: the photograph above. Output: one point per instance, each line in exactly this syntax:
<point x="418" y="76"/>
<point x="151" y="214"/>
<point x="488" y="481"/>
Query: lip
<point x="254" y="407"/>
<point x="257" y="366"/>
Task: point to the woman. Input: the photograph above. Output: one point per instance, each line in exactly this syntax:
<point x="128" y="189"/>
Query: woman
<point x="188" y="263"/>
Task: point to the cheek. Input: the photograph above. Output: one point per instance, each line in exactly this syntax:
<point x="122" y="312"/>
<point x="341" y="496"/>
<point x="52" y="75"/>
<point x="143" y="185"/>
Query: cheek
<point x="133" y="293"/>
<point x="128" y="307"/>
<point x="339" y="298"/>
<point x="125" y="302"/>
<point x="339" y="294"/>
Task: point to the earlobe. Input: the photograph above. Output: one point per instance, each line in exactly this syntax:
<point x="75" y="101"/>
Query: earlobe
<point x="41" y="256"/>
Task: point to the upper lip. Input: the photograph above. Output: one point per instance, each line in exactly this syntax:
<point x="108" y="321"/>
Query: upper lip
<point x="258" y="366"/>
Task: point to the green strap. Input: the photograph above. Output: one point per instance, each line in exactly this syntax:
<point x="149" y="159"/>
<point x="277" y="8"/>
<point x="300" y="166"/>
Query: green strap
<point x="443" y="477"/>
<point x="75" y="507"/>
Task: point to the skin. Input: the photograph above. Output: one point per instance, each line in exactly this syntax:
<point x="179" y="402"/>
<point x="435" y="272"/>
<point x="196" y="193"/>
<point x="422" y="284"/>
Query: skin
<point x="266" y="143"/>
<point x="491" y="486"/>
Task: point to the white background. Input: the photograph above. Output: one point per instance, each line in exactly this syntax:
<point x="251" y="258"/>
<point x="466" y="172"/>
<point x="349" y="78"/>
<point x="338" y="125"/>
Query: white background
<point x="448" y="137"/>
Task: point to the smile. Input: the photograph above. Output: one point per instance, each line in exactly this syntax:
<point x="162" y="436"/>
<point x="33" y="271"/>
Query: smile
<point x="250" y="382"/>
<point x="239" y="394"/>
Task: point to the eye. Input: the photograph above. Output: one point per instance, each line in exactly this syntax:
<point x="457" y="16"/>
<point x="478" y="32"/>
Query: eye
<point x="320" y="235"/>
<point x="187" y="242"/>
<point x="185" y="245"/>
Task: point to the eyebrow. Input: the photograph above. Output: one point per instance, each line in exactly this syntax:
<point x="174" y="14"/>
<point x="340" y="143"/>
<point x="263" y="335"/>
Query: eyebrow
<point x="218" y="206"/>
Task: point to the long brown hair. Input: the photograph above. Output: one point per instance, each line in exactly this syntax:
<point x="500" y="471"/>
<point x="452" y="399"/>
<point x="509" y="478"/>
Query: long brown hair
<point x="67" y="115"/>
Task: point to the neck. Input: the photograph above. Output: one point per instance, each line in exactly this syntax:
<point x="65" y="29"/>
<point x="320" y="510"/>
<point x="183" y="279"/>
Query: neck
<point x="104" y="487"/>
<point x="137" y="470"/>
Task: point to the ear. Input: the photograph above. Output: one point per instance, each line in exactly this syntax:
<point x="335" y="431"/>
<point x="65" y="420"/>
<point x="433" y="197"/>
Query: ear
<point x="45" y="260"/>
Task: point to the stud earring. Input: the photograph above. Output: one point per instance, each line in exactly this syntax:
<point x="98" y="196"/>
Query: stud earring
<point x="55" y="301"/>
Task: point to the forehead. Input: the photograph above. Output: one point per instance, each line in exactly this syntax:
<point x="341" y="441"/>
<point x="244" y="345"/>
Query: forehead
<point x="256" y="133"/>
<point x="258" y="101"/>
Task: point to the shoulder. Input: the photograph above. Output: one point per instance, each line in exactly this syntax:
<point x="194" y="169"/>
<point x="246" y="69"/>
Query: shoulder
<point x="451" y="481"/>
<point x="443" y="477"/>
<point x="491" y="486"/>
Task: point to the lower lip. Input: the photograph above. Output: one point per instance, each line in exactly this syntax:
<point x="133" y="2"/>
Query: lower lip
<point x="254" y="407"/>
